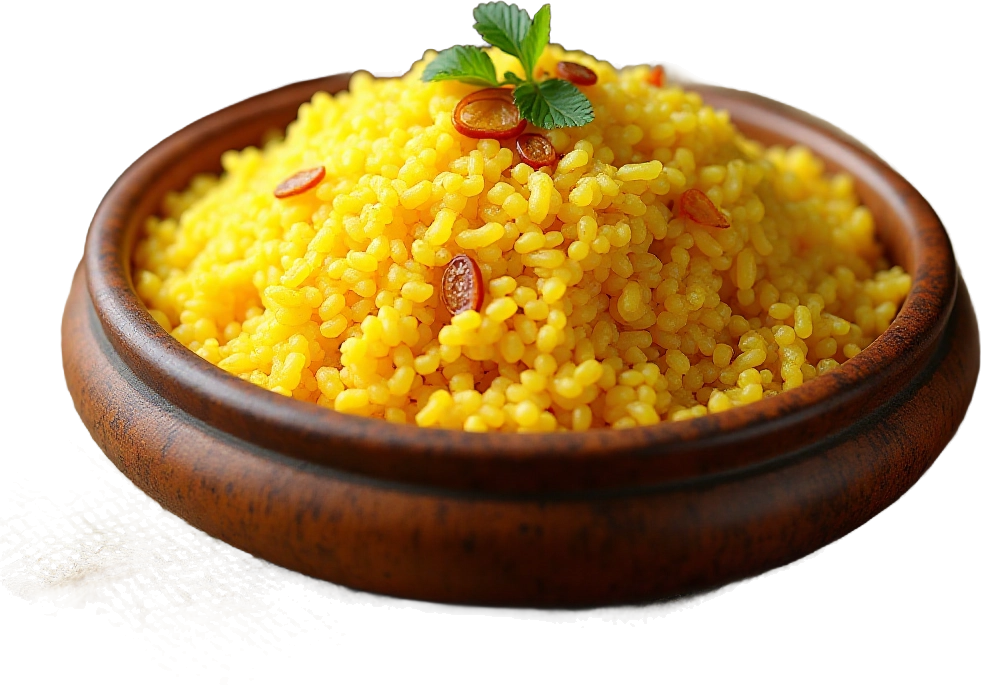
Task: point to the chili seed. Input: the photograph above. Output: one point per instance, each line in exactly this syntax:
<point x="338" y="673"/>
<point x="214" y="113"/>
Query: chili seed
<point x="488" y="113"/>
<point x="656" y="76"/>
<point x="576" y="73"/>
<point x="462" y="286"/>
<point x="300" y="182"/>
<point x="696" y="206"/>
<point x="535" y="150"/>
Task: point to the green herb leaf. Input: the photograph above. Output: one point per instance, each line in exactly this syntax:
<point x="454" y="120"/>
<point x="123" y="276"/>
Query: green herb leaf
<point x="512" y="78"/>
<point x="553" y="104"/>
<point x="466" y="63"/>
<point x="504" y="26"/>
<point x="536" y="40"/>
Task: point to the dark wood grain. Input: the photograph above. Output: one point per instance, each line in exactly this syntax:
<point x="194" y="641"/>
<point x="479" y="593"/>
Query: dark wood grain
<point x="605" y="516"/>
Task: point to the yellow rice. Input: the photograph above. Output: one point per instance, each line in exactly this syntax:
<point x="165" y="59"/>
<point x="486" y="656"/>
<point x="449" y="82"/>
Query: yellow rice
<point x="602" y="308"/>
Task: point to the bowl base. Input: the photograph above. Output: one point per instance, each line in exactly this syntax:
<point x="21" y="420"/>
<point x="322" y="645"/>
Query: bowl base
<point x="607" y="547"/>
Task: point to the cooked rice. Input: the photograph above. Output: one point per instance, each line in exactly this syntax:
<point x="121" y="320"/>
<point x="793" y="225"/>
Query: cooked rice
<point x="603" y="307"/>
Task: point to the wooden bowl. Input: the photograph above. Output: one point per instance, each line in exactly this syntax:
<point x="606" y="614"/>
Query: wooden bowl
<point x="553" y="519"/>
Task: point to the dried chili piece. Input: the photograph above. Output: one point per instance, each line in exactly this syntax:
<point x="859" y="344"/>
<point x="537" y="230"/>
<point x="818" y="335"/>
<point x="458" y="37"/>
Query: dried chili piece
<point x="656" y="76"/>
<point x="488" y="113"/>
<point x="462" y="287"/>
<point x="300" y="182"/>
<point x="576" y="73"/>
<point x="535" y="150"/>
<point x="696" y="206"/>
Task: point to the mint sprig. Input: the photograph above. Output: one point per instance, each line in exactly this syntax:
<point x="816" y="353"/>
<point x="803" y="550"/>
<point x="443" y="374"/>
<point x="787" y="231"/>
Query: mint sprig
<point x="502" y="25"/>
<point x="466" y="63"/>
<point x="534" y="42"/>
<point x="551" y="103"/>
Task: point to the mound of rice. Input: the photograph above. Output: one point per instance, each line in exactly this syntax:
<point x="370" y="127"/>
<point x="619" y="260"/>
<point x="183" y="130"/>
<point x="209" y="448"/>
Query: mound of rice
<point x="603" y="307"/>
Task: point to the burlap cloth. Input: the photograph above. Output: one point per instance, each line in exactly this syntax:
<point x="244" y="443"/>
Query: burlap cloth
<point x="102" y="546"/>
<point x="154" y="576"/>
<point x="110" y="548"/>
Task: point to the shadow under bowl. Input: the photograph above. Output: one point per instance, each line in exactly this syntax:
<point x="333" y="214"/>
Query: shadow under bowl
<point x="566" y="519"/>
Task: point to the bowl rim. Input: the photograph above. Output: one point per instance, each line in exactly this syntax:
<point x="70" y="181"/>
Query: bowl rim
<point x="668" y="452"/>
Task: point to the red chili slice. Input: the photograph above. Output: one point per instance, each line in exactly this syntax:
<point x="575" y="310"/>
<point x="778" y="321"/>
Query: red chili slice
<point x="576" y="73"/>
<point x="463" y="285"/>
<point x="300" y="182"/>
<point x="696" y="206"/>
<point x="535" y="150"/>
<point x="488" y="113"/>
<point x="656" y="76"/>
